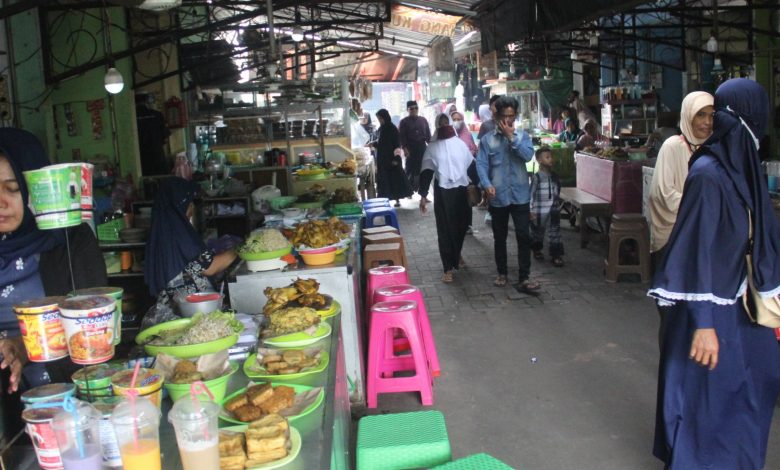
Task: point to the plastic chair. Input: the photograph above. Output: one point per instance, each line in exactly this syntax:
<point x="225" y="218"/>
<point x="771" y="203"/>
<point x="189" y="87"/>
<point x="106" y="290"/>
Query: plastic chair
<point x="410" y="292"/>
<point x="383" y="276"/>
<point x="377" y="216"/>
<point x="402" y="440"/>
<point x="400" y="315"/>
<point x="387" y="237"/>
<point x="628" y="227"/>
<point x="475" y="462"/>
<point x="378" y="230"/>
<point x="376" y="200"/>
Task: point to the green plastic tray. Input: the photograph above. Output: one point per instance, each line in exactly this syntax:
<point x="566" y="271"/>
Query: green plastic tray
<point x="191" y="350"/>
<point x="475" y="462"/>
<point x="347" y="208"/>
<point x="295" y="448"/>
<point x="265" y="255"/>
<point x="298" y="388"/>
<point x="250" y="361"/>
<point x="335" y="309"/>
<point x="300" y="339"/>
<point x="410" y="440"/>
<point x="309" y="205"/>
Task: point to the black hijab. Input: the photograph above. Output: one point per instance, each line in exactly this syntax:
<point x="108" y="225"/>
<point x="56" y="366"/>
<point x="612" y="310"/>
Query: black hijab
<point x="173" y="242"/>
<point x="24" y="152"/>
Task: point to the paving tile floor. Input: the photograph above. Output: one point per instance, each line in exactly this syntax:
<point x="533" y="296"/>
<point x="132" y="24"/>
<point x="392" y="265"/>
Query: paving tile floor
<point x="565" y="380"/>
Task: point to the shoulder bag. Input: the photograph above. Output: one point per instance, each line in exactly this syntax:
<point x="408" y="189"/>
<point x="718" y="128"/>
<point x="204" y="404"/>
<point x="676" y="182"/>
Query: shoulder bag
<point x="764" y="311"/>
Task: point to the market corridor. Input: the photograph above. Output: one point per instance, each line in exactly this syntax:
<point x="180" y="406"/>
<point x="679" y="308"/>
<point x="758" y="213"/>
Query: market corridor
<point x="563" y="381"/>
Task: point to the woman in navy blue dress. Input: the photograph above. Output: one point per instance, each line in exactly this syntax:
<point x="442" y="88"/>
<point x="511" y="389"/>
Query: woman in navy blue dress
<point x="719" y="374"/>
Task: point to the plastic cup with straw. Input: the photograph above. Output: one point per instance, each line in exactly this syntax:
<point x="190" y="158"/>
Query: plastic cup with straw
<point x="136" y="423"/>
<point x="195" y="423"/>
<point x="77" y="429"/>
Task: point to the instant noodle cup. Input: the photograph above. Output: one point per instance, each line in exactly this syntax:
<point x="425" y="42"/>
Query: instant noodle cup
<point x="86" y="186"/>
<point x="42" y="330"/>
<point x="116" y="294"/>
<point x="55" y="195"/>
<point x="48" y="393"/>
<point x="148" y="384"/>
<point x="95" y="381"/>
<point x="89" y="327"/>
<point x="38" y="426"/>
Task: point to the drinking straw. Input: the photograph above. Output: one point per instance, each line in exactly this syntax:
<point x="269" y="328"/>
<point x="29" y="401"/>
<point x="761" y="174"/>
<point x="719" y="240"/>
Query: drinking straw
<point x="196" y="388"/>
<point x="132" y="393"/>
<point x="68" y="405"/>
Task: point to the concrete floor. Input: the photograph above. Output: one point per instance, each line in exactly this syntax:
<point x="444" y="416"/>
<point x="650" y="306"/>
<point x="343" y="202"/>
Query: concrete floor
<point x="566" y="380"/>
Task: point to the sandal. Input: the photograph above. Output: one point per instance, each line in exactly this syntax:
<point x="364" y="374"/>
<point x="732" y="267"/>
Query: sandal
<point x="500" y="281"/>
<point x="557" y="262"/>
<point x="447" y="277"/>
<point x="529" y="286"/>
<point x="538" y="255"/>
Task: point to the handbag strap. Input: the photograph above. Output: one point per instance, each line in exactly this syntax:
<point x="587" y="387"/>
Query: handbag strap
<point x="750" y="234"/>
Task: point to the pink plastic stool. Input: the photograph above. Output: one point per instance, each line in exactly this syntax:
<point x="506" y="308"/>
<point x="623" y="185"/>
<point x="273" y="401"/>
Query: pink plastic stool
<point x="400" y="315"/>
<point x="409" y="292"/>
<point x="383" y="276"/>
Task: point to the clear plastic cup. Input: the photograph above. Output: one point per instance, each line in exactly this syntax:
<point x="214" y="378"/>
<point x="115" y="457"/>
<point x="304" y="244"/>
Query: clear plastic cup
<point x="197" y="433"/>
<point x="78" y="437"/>
<point x="136" y="423"/>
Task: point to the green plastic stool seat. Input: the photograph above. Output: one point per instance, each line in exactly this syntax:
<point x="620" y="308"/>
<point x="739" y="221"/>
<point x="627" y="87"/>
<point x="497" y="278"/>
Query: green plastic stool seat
<point x="475" y="462"/>
<point x="402" y="441"/>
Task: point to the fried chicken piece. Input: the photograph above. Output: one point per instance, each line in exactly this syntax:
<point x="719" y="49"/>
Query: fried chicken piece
<point x="306" y="286"/>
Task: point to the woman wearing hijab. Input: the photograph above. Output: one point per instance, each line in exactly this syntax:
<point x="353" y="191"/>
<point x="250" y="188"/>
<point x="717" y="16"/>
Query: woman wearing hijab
<point x="391" y="181"/>
<point x="719" y="376"/>
<point x="178" y="262"/>
<point x="671" y="167"/>
<point x="463" y="132"/>
<point x="449" y="163"/>
<point x="365" y="123"/>
<point x="485" y="113"/>
<point x="34" y="264"/>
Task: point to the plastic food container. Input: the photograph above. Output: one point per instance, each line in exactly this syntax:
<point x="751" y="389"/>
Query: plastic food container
<point x="319" y="256"/>
<point x="116" y="294"/>
<point x="218" y="386"/>
<point x="42" y="331"/>
<point x="148" y="384"/>
<point x="200" y="302"/>
<point x="282" y="202"/>
<point x="89" y="326"/>
<point x="95" y="381"/>
<point x="108" y="442"/>
<point x="38" y="425"/>
<point x="47" y="393"/>
<point x="55" y="195"/>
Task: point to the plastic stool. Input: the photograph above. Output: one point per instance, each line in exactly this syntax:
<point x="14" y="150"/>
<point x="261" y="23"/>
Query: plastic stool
<point x="409" y="292"/>
<point x="387" y="237"/>
<point x="376" y="200"/>
<point x="475" y="462"/>
<point x="400" y="315"/>
<point x="383" y="276"/>
<point x="402" y="440"/>
<point x="628" y="227"/>
<point x="383" y="253"/>
<point x="377" y="216"/>
<point x="378" y="230"/>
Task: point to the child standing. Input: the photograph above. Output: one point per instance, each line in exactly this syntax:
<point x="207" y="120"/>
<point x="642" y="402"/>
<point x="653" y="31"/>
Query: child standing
<point x="545" y="209"/>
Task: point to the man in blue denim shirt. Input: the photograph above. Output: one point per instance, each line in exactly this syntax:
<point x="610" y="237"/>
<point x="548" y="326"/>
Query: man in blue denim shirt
<point x="501" y="161"/>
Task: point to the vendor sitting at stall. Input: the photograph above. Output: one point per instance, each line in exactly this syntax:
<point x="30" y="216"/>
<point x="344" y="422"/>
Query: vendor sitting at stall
<point x="571" y="133"/>
<point x="177" y="259"/>
<point x="33" y="264"/>
<point x="589" y="136"/>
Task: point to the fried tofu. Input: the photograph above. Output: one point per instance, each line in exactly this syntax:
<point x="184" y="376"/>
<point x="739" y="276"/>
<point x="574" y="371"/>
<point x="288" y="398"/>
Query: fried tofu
<point x="265" y="439"/>
<point x="257" y="394"/>
<point x="293" y="357"/>
<point x="247" y="413"/>
<point x="271" y="358"/>
<point x="270" y="421"/>
<point x="274" y="366"/>
<point x="288" y="370"/>
<point x="308" y="362"/>
<point x="258" y="458"/>
<point x="234" y="403"/>
<point x="282" y="398"/>
<point x="231" y="451"/>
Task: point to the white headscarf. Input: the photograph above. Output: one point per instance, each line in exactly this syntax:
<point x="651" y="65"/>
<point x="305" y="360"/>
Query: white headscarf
<point x="484" y="113"/>
<point x="692" y="104"/>
<point x="450" y="159"/>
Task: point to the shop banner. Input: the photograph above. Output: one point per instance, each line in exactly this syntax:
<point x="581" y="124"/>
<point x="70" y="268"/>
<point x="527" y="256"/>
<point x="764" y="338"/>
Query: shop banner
<point x="423" y="21"/>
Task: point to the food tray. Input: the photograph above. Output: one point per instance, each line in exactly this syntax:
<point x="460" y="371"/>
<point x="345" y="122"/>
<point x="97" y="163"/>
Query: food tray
<point x="309" y="205"/>
<point x="298" y="389"/>
<point x="335" y="309"/>
<point x="190" y="350"/>
<point x="295" y="448"/>
<point x="346" y="208"/>
<point x="321" y="366"/>
<point x="265" y="255"/>
<point x="300" y="339"/>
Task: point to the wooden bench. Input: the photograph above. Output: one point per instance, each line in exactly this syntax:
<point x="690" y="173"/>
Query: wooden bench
<point x="588" y="205"/>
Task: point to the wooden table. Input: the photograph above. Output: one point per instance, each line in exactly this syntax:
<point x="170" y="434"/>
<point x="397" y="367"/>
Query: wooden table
<point x="588" y="205"/>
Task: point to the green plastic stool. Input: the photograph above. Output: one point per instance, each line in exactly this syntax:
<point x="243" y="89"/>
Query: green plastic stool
<point x="402" y="441"/>
<point x="475" y="462"/>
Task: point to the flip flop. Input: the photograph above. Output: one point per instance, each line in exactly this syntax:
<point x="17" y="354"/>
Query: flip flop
<point x="500" y="281"/>
<point x="447" y="277"/>
<point x="529" y="286"/>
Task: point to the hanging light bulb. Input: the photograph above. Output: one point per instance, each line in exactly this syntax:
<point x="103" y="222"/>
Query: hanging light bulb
<point x="113" y="81"/>
<point x="512" y="68"/>
<point x="717" y="67"/>
<point x="712" y="44"/>
<point x="297" y="34"/>
<point x="574" y="55"/>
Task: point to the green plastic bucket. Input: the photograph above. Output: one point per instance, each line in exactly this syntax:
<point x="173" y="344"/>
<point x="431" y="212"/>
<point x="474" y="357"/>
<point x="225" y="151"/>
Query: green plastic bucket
<point x="116" y="294"/>
<point x="218" y="387"/>
<point x="55" y="195"/>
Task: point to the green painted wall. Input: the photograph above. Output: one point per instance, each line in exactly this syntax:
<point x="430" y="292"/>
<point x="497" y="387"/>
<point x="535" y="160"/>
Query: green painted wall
<point x="47" y="118"/>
